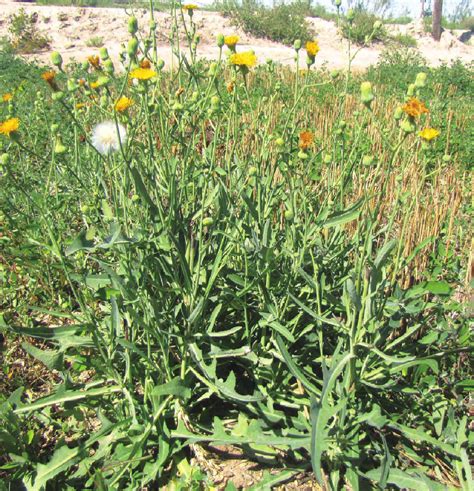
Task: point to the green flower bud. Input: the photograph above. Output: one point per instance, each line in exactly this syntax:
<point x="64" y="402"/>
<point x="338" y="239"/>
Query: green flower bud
<point x="103" y="53"/>
<point x="58" y="96"/>
<point x="56" y="59"/>
<point x="289" y="215"/>
<point x="342" y="125"/>
<point x="407" y="126"/>
<point x="132" y="47"/>
<point x="297" y="44"/>
<point x="302" y="155"/>
<point x="398" y="114"/>
<point x="220" y="40"/>
<point x="411" y="90"/>
<point x="72" y="85"/>
<point x="215" y="101"/>
<point x="59" y="148"/>
<point x="420" y="81"/>
<point x="177" y="107"/>
<point x="351" y="15"/>
<point x="213" y="69"/>
<point x="279" y="142"/>
<point x="84" y="208"/>
<point x="334" y="74"/>
<point x="377" y="25"/>
<point x="309" y="61"/>
<point x="368" y="160"/>
<point x="194" y="96"/>
<point x="109" y="66"/>
<point x="4" y="159"/>
<point x="54" y="128"/>
<point x="135" y="198"/>
<point x="160" y="64"/>
<point x="338" y="3"/>
<point x="85" y="65"/>
<point x="252" y="171"/>
<point x="366" y="93"/>
<point x="446" y="158"/>
<point x="132" y="25"/>
<point x="208" y="221"/>
<point x="327" y="159"/>
<point x="103" y="81"/>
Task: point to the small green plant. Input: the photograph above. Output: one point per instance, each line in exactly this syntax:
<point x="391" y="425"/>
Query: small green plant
<point x="25" y="37"/>
<point x="468" y="23"/>
<point x="361" y="29"/>
<point x="404" y="40"/>
<point x="95" y="42"/>
<point x="283" y="23"/>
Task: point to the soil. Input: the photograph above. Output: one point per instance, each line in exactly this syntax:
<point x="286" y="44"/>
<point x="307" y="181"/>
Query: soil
<point x="73" y="31"/>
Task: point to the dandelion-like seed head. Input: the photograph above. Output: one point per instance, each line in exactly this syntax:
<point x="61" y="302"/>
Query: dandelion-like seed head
<point x="429" y="134"/>
<point x="306" y="140"/>
<point x="9" y="126"/>
<point x="231" y="41"/>
<point x="245" y="59"/>
<point x="107" y="137"/>
<point x="7" y="97"/>
<point x="123" y="104"/>
<point x="312" y="48"/>
<point x="142" y="74"/>
<point x="414" y="108"/>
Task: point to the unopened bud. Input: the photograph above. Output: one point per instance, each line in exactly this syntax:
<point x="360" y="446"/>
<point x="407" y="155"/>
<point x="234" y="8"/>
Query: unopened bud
<point x="132" y="25"/>
<point x="420" y="81"/>
<point x="220" y="40"/>
<point x="297" y="44"/>
<point x="132" y="47"/>
<point x="56" y="59"/>
<point x="366" y="93"/>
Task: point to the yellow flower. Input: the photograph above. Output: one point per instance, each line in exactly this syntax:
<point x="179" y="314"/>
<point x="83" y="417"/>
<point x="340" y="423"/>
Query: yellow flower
<point x="414" y="108"/>
<point x="429" y="134"/>
<point x="48" y="76"/>
<point x="123" y="104"/>
<point x="142" y="73"/>
<point x="94" y="61"/>
<point x="306" y="140"/>
<point x="246" y="59"/>
<point x="231" y="41"/>
<point x="312" y="48"/>
<point x="95" y="85"/>
<point x="9" y="126"/>
<point x="190" y="6"/>
<point x="7" y="97"/>
<point x="80" y="105"/>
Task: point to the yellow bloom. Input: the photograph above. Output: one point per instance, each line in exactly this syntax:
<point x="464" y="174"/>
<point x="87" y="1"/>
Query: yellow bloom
<point x="9" y="126"/>
<point x="246" y="59"/>
<point x="231" y="41"/>
<point x="95" y="85"/>
<point x="142" y="73"/>
<point x="414" y="108"/>
<point x="429" y="134"/>
<point x="48" y="76"/>
<point x="306" y="140"/>
<point x="312" y="48"/>
<point x="80" y="105"/>
<point x="190" y="6"/>
<point x="123" y="104"/>
<point x="7" y="97"/>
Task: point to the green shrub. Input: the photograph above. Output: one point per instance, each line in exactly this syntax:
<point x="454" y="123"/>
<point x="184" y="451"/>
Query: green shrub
<point x="25" y="37"/>
<point x="361" y="30"/>
<point x="468" y="23"/>
<point x="283" y="23"/>
<point x="95" y="42"/>
<point x="322" y="12"/>
<point x="404" y="40"/>
<point x="403" y="20"/>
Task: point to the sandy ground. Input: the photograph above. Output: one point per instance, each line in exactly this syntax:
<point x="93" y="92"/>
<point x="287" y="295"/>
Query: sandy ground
<point x="71" y="28"/>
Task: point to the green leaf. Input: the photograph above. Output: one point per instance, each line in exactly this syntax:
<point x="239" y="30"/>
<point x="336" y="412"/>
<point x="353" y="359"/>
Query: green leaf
<point x="438" y="287"/>
<point x="83" y="242"/>
<point x="174" y="388"/>
<point x="343" y="217"/>
<point x="405" y="480"/>
<point x="52" y="359"/>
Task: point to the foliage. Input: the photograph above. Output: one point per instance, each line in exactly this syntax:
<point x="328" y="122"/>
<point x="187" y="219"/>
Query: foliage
<point x="361" y="29"/>
<point x="468" y="23"/>
<point x="95" y="42"/>
<point x="215" y="281"/>
<point x="282" y="23"/>
<point x="404" y="40"/>
<point x="25" y="37"/>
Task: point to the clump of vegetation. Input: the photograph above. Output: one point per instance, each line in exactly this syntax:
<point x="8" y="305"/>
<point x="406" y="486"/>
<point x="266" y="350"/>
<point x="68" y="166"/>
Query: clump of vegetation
<point x="404" y="40"/>
<point x="363" y="28"/>
<point x="467" y="23"/>
<point x="282" y="23"/>
<point x="95" y="42"/>
<point x="234" y="254"/>
<point x="24" y="34"/>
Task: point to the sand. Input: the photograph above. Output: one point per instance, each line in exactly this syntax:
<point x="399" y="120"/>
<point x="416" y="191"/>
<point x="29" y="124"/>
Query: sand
<point x="72" y="28"/>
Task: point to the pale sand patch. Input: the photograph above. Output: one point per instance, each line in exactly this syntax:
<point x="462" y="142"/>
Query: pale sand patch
<point x="71" y="27"/>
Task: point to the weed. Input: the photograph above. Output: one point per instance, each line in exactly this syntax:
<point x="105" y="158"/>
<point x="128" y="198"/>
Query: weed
<point x="95" y="42"/>
<point x="25" y="37"/>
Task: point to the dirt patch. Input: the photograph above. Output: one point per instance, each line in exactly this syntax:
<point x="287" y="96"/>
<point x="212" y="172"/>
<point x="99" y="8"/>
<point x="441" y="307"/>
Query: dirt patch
<point x="74" y="29"/>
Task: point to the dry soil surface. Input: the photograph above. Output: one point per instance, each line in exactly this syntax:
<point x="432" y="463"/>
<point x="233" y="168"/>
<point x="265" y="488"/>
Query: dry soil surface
<point x="71" y="30"/>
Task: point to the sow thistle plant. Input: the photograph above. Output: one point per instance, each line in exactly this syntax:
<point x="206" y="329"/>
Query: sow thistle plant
<point x="225" y="269"/>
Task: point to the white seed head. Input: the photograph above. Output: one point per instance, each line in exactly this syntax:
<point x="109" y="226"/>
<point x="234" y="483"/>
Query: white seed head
<point x="108" y="136"/>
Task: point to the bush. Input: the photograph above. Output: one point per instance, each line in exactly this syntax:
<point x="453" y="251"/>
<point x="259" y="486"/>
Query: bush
<point x="404" y="40"/>
<point x="403" y="20"/>
<point x="468" y="23"/>
<point x="361" y="30"/>
<point x="25" y="37"/>
<point x="283" y="23"/>
<point x="322" y="12"/>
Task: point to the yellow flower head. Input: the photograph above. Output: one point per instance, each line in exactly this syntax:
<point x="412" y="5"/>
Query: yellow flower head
<point x="306" y="140"/>
<point x="9" y="126"/>
<point x="94" y="61"/>
<point x="142" y="73"/>
<point x="246" y="59"/>
<point x="312" y="48"/>
<point x="7" y="97"/>
<point x="80" y="105"/>
<point x="95" y="85"/>
<point x="231" y="41"/>
<point x="190" y="6"/>
<point x="429" y="134"/>
<point x="49" y="77"/>
<point x="414" y="107"/>
<point x="123" y="104"/>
